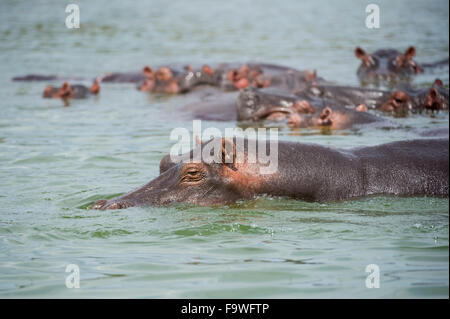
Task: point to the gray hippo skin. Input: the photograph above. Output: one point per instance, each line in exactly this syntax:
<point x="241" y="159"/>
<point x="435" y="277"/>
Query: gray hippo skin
<point x="304" y="171"/>
<point x="299" y="111"/>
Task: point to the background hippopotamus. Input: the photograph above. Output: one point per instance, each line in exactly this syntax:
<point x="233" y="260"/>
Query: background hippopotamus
<point x="225" y="76"/>
<point x="298" y="111"/>
<point x="260" y="75"/>
<point x="407" y="98"/>
<point x="390" y="65"/>
<point x="37" y="77"/>
<point x="68" y="91"/>
<point x="304" y="171"/>
<point x="399" y="101"/>
<point x="345" y="95"/>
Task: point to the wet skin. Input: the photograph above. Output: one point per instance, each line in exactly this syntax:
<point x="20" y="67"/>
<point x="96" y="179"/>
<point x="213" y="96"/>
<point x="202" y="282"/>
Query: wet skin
<point x="388" y="65"/>
<point x="268" y="104"/>
<point x="305" y="171"/>
<point x="210" y="104"/>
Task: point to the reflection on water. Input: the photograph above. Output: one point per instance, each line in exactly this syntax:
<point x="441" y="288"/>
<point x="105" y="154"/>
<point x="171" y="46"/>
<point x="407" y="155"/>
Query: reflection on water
<point x="55" y="161"/>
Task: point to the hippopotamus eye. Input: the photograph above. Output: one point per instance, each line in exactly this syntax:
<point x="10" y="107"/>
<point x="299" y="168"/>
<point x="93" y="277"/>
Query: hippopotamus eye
<point x="192" y="174"/>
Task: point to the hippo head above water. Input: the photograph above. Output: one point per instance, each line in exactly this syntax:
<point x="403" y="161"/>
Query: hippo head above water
<point x="67" y="91"/>
<point x="386" y="65"/>
<point x="225" y="179"/>
<point x="432" y="99"/>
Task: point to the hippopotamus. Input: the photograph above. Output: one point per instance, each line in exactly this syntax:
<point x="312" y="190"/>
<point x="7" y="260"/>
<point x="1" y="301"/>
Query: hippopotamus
<point x="74" y="91"/>
<point x="261" y="75"/>
<point x="268" y="104"/>
<point x="399" y="101"/>
<point x="37" y="77"/>
<point x="225" y="76"/>
<point x="304" y="171"/>
<point x="390" y="65"/>
<point x="211" y="104"/>
<point x="407" y="98"/>
<point x="169" y="80"/>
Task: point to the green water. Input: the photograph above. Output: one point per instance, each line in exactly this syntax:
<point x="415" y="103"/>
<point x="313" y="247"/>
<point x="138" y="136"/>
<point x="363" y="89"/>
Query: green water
<point x="55" y="160"/>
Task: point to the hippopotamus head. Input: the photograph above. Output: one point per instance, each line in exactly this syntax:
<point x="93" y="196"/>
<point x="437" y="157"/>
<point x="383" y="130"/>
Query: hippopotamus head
<point x="163" y="80"/>
<point x="386" y="65"/>
<point x="402" y="101"/>
<point x="221" y="180"/>
<point x="95" y="87"/>
<point x="398" y="102"/>
<point x="50" y="92"/>
<point x="326" y="118"/>
<point x="64" y="92"/>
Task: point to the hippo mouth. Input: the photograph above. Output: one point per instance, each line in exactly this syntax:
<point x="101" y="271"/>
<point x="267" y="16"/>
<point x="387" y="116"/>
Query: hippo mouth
<point x="274" y="112"/>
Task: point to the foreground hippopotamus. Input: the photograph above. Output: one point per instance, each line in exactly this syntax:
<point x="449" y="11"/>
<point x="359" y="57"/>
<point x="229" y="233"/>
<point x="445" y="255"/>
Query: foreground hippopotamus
<point x="304" y="171"/>
<point x="68" y="91"/>
<point x="390" y="65"/>
<point x="266" y="104"/>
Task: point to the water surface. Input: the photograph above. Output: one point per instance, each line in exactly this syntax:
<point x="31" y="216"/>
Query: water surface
<point x="55" y="161"/>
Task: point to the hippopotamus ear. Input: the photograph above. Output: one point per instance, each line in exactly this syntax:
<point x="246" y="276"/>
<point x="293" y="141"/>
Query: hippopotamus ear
<point x="95" y="87"/>
<point x="438" y="82"/>
<point x="325" y="116"/>
<point x="147" y="69"/>
<point x="65" y="89"/>
<point x="360" y="53"/>
<point x="228" y="153"/>
<point x="410" y="53"/>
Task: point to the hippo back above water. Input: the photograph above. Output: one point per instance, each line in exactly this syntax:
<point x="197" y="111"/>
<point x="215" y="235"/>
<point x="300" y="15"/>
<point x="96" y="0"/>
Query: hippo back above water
<point x="303" y="171"/>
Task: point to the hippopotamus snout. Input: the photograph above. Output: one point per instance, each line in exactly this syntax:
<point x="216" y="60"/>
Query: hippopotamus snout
<point x="153" y="193"/>
<point x="103" y="204"/>
<point x="216" y="180"/>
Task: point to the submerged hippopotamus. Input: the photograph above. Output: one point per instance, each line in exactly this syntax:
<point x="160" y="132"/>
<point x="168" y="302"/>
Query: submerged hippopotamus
<point x="225" y="76"/>
<point x="417" y="100"/>
<point x="267" y="104"/>
<point x="400" y="101"/>
<point x="68" y="91"/>
<point x="261" y="75"/>
<point x="390" y="65"/>
<point x="304" y="171"/>
<point x="37" y="77"/>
